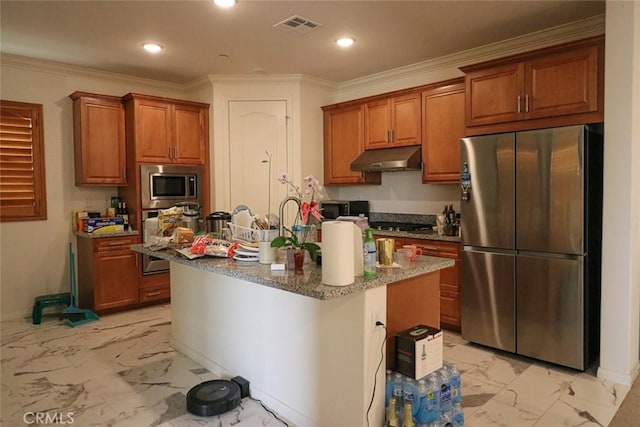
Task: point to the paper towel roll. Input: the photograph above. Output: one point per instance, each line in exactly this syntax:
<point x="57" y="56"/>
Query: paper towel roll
<point x="337" y="253"/>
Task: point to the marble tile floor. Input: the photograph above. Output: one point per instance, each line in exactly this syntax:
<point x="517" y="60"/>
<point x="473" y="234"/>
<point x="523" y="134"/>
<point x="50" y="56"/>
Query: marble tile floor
<point x="121" y="371"/>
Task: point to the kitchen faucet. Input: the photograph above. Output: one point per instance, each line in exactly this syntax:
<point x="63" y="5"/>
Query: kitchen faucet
<point x="281" y="211"/>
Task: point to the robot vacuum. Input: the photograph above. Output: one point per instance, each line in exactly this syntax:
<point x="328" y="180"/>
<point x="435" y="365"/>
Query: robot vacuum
<point x="213" y="398"/>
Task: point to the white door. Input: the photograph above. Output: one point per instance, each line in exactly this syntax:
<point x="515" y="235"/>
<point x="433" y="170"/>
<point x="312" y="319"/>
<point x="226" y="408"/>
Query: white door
<point x="255" y="128"/>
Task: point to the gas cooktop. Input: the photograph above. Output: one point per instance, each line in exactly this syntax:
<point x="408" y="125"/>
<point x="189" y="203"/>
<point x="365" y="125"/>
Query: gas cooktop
<point x="401" y="226"/>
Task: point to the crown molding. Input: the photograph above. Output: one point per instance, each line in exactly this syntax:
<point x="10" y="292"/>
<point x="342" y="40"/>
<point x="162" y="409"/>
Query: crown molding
<point x="35" y="64"/>
<point x="270" y="78"/>
<point x="585" y="28"/>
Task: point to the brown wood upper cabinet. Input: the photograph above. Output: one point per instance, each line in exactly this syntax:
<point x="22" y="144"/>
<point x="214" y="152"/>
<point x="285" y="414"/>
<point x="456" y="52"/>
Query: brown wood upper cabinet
<point x="562" y="82"/>
<point x="392" y="121"/>
<point x="167" y="130"/>
<point x="343" y="143"/>
<point x="442" y="127"/>
<point x="99" y="139"/>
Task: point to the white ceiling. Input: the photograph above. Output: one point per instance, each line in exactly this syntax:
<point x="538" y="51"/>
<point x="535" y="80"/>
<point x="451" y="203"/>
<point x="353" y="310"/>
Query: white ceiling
<point x="107" y="35"/>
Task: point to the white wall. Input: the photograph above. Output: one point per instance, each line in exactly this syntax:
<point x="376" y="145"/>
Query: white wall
<point x="304" y="127"/>
<point x="621" y="234"/>
<point x="34" y="254"/>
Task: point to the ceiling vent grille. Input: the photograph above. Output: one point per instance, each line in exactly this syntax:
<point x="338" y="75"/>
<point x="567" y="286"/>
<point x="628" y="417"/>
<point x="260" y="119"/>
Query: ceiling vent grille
<point x="298" y="24"/>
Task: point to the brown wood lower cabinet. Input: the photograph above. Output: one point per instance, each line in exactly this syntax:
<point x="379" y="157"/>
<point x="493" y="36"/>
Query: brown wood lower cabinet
<point x="155" y="287"/>
<point x="107" y="272"/>
<point x="110" y="279"/>
<point x="411" y="302"/>
<point x="449" y="277"/>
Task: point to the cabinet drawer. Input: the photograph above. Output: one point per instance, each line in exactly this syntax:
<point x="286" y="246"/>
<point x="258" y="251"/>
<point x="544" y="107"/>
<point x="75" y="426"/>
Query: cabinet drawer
<point x="439" y="248"/>
<point x="152" y="294"/>
<point x="113" y="243"/>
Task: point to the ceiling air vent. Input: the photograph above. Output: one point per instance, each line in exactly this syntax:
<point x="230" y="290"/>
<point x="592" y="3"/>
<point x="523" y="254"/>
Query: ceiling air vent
<point x="298" y="24"/>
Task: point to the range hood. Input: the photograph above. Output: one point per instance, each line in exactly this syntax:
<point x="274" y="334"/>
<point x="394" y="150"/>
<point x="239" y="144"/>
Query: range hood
<point x="389" y="160"/>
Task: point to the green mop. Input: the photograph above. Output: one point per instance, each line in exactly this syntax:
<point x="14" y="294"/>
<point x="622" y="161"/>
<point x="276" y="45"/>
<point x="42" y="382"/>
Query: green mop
<point x="76" y="316"/>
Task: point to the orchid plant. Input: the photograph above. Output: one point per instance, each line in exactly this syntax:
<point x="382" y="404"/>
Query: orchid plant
<point x="308" y="210"/>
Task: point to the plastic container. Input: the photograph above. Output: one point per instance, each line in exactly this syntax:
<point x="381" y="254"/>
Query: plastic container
<point x="238" y="232"/>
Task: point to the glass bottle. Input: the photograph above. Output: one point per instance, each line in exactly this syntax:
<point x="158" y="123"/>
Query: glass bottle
<point x="408" y="410"/>
<point x="370" y="255"/>
<point x="392" y="418"/>
<point x="125" y="216"/>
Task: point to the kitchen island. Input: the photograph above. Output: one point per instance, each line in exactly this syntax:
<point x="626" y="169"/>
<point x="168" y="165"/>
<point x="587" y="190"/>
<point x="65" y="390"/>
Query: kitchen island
<point x="310" y="351"/>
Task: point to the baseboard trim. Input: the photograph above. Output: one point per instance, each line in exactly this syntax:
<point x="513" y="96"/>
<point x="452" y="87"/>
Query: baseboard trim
<point x="617" y="377"/>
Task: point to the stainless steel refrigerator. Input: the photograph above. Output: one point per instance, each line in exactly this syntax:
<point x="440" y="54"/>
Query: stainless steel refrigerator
<point x="531" y="240"/>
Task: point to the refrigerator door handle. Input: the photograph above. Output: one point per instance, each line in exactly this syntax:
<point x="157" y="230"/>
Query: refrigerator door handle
<point x="490" y="250"/>
<point x="548" y="255"/>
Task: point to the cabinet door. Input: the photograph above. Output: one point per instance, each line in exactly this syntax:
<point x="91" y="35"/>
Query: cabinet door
<point x="450" y="317"/>
<point x="442" y="128"/>
<point x="99" y="140"/>
<point x="564" y="83"/>
<point x="153" y="137"/>
<point x="343" y="142"/>
<point x="405" y="120"/>
<point x="494" y="95"/>
<point x="189" y="134"/>
<point x="116" y="279"/>
<point x="377" y="122"/>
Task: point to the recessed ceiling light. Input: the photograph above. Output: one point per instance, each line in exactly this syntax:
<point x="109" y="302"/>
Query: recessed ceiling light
<point x="152" y="47"/>
<point x="225" y="3"/>
<point x="345" y="41"/>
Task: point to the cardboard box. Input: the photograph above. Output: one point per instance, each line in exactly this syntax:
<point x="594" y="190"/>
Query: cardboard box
<point x="104" y="225"/>
<point x="418" y="351"/>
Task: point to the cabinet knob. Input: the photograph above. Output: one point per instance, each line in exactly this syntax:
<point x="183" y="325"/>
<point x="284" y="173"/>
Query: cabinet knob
<point x="526" y="103"/>
<point x="518" y="106"/>
<point x="153" y="294"/>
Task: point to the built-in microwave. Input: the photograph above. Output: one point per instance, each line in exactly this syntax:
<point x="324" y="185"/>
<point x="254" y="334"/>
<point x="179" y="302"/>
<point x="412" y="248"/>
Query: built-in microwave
<point x="163" y="186"/>
<point x="332" y="209"/>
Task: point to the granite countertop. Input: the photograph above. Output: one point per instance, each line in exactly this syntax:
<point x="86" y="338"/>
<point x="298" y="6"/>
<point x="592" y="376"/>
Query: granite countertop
<point x="412" y="235"/>
<point x="307" y="284"/>
<point x="99" y="235"/>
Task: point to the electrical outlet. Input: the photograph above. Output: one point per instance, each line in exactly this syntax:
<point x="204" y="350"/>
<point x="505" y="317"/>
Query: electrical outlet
<point x="375" y="317"/>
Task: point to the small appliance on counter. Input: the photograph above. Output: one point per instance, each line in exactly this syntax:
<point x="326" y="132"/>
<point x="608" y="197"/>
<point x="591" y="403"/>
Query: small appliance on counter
<point x="190" y="215"/>
<point x="217" y="221"/>
<point x="332" y="209"/>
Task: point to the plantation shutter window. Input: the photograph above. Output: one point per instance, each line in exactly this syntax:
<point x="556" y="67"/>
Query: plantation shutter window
<point x="22" y="180"/>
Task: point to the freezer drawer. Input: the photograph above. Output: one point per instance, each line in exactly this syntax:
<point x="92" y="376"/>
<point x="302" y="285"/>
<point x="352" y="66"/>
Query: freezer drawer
<point x="550" y="320"/>
<point x="488" y="298"/>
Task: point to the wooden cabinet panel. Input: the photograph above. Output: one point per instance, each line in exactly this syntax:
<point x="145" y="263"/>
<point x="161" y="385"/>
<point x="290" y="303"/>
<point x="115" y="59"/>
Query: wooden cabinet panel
<point x="393" y="122"/>
<point x="564" y="83"/>
<point x="155" y="287"/>
<point x="108" y="272"/>
<point x="557" y="86"/>
<point x="492" y="94"/>
<point x="167" y="131"/>
<point x="190" y="135"/>
<point x="155" y="294"/>
<point x="153" y="132"/>
<point x="377" y="124"/>
<point x="99" y="139"/>
<point x="343" y="143"/>
<point x="449" y="277"/>
<point x="443" y="125"/>
<point x="115" y="280"/>
<point x="411" y="302"/>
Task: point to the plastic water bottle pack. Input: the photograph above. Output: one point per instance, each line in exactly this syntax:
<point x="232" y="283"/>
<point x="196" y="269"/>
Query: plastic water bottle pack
<point x="432" y="401"/>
